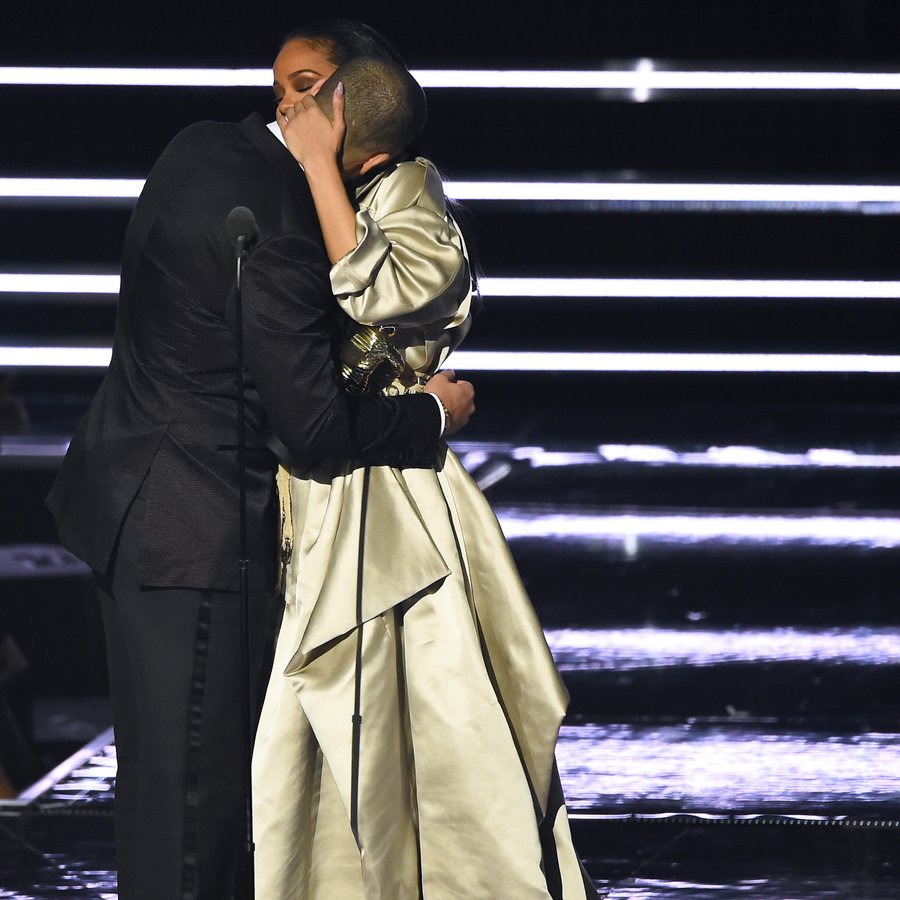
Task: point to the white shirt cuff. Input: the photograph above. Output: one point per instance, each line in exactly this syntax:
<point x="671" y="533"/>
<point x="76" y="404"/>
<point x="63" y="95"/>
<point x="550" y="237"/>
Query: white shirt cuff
<point x="440" y="410"/>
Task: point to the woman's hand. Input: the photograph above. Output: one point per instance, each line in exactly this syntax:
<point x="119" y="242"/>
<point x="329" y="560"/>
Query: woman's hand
<point x="311" y="138"/>
<point x="316" y="144"/>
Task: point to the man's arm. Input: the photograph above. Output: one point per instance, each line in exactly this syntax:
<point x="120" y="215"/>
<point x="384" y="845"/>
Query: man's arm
<point x="288" y="316"/>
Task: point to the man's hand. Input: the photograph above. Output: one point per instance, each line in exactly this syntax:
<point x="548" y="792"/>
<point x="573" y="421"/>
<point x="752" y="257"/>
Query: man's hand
<point x="458" y="398"/>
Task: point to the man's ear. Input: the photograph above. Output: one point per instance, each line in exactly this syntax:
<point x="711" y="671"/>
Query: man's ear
<point x="379" y="159"/>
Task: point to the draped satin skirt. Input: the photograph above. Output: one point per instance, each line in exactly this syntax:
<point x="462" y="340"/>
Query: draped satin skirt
<point x="406" y="746"/>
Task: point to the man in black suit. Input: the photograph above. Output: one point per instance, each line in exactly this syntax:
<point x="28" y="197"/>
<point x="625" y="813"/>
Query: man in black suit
<point x="148" y="495"/>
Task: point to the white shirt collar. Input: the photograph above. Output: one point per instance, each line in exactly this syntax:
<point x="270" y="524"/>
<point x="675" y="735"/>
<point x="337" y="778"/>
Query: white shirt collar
<point x="273" y="127"/>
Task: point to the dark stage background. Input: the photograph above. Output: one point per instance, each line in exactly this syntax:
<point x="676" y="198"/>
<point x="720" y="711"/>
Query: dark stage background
<point x="714" y="553"/>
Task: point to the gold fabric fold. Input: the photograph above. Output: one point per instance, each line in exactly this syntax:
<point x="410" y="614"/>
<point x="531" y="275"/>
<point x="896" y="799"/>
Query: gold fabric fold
<point x="460" y="701"/>
<point x="528" y="683"/>
<point x="326" y="551"/>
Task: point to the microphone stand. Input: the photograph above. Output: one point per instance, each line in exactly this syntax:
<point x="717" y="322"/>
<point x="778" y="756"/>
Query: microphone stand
<point x="247" y="227"/>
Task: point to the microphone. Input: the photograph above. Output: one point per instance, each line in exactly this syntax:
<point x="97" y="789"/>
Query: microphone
<point x="240" y="226"/>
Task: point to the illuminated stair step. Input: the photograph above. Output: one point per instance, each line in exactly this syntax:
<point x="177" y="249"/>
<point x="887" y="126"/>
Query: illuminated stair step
<point x="728" y="767"/>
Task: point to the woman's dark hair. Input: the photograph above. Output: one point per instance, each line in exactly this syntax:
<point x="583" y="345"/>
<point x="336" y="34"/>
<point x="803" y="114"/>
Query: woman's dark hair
<point x="343" y="39"/>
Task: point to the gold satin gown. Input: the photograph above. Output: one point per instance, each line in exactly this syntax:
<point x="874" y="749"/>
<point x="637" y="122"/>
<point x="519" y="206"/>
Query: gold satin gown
<point x="406" y="743"/>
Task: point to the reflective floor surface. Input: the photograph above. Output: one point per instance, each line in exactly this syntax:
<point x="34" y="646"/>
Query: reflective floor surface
<point x="715" y="862"/>
<point x="722" y="816"/>
<point x="45" y="856"/>
<point x="729" y="767"/>
<point x="48" y="856"/>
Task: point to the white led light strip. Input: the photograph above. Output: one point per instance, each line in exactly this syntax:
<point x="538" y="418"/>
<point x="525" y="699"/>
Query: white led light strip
<point x="55" y="357"/>
<point x="829" y="530"/>
<point x="550" y="361"/>
<point x="636" y="648"/>
<point x="671" y="192"/>
<point x="640" y="80"/>
<point x="643" y="80"/>
<point x="719" y="457"/>
<point x="785" y="195"/>
<point x="134" y="77"/>
<point x="26" y="283"/>
<point x="475" y="454"/>
<point x="688" y="287"/>
<point x="578" y="288"/>
<point x="58" y="188"/>
<point x="502" y="361"/>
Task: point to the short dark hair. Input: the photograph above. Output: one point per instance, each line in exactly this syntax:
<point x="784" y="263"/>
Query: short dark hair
<point x="385" y="106"/>
<point x="342" y="39"/>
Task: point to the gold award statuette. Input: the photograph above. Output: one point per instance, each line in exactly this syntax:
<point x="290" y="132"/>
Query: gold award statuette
<point x="369" y="361"/>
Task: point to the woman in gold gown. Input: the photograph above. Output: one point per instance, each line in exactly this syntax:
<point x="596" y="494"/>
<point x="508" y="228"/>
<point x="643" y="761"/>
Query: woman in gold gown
<point x="406" y="745"/>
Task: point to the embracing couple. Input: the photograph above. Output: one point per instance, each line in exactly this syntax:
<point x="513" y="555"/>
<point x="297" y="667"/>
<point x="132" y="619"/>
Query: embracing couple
<point x="406" y="738"/>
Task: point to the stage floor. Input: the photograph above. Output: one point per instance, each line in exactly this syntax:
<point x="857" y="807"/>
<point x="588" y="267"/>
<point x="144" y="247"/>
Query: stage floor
<point x="59" y="838"/>
<point x="732" y="663"/>
<point x="42" y="856"/>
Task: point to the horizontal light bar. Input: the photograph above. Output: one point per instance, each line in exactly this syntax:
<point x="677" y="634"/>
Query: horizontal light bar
<point x="61" y="188"/>
<point x="666" y="288"/>
<point x="550" y="361"/>
<point x="16" y="283"/>
<point x="871" y="531"/>
<point x="781" y="196"/>
<point x="475" y="453"/>
<point x="640" y="80"/>
<point x="587" y="288"/>
<point x="134" y="77"/>
<point x="55" y="357"/>
<point x="13" y="447"/>
<point x="729" y="457"/>
<point x="503" y="361"/>
<point x="640" y="648"/>
<point x="672" y="192"/>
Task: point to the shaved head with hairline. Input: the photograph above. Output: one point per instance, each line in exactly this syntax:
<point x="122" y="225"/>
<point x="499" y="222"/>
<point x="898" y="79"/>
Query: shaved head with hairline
<point x="385" y="108"/>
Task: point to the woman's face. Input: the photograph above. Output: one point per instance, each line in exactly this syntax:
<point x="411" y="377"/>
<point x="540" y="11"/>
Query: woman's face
<point x="297" y="69"/>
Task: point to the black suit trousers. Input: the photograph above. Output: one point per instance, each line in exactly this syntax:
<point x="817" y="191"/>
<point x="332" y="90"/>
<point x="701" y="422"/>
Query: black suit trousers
<point x="175" y="673"/>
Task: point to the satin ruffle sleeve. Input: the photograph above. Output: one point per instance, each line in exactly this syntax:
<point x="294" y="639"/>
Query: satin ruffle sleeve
<point x="409" y="267"/>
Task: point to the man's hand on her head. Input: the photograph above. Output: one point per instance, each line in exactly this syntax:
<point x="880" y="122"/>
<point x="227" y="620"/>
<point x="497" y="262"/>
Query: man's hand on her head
<point x="458" y="398"/>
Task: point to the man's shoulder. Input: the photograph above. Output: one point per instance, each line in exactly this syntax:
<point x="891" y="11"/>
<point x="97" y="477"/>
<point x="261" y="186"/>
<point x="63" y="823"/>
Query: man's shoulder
<point x="205" y="135"/>
<point x="208" y="136"/>
<point x="222" y="146"/>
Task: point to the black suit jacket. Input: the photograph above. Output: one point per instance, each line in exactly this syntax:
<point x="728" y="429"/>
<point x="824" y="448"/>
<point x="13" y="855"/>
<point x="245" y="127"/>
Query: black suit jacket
<point x="164" y="418"/>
